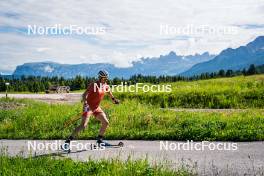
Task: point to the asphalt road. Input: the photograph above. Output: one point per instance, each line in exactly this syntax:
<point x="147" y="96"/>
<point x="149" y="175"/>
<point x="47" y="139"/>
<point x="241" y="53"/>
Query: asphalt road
<point x="247" y="158"/>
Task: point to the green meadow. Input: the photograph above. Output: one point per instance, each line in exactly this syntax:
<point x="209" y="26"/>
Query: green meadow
<point x="143" y="116"/>
<point x="236" y="92"/>
<point x="50" y="166"/>
<point x="130" y="120"/>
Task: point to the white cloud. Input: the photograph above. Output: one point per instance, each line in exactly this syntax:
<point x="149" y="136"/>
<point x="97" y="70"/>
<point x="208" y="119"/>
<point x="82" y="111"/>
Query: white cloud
<point x="48" y="69"/>
<point x="42" y="49"/>
<point x="132" y="29"/>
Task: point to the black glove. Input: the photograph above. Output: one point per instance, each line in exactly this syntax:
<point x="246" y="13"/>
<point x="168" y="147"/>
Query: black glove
<point x="116" y="101"/>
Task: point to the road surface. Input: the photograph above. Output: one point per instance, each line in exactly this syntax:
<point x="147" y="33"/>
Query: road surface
<point x="247" y="159"/>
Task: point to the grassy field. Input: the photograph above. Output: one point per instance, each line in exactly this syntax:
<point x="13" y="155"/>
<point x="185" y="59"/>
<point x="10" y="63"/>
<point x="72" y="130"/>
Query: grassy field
<point x="236" y="92"/>
<point x="130" y="120"/>
<point x="49" y="166"/>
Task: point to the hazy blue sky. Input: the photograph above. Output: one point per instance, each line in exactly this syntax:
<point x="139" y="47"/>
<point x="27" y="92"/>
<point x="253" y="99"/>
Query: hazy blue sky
<point x="131" y="29"/>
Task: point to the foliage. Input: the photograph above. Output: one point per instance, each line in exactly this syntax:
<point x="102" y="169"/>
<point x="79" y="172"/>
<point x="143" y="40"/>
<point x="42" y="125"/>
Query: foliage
<point x="132" y="120"/>
<point x="50" y="166"/>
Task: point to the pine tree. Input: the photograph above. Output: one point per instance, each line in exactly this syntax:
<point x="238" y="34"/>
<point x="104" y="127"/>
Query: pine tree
<point x="251" y="70"/>
<point x="221" y="73"/>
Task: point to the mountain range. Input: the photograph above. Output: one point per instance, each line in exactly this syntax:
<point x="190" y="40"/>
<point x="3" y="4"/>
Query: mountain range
<point x="170" y="64"/>
<point x="234" y="59"/>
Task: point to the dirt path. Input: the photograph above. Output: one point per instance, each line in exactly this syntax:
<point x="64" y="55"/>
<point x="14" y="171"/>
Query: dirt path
<point x="76" y="97"/>
<point x="206" y="110"/>
<point x="49" y="98"/>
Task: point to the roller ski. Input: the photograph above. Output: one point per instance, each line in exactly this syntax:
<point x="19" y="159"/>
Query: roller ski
<point x="100" y="143"/>
<point x="66" y="146"/>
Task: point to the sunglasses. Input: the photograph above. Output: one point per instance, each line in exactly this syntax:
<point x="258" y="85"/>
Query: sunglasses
<point x="103" y="77"/>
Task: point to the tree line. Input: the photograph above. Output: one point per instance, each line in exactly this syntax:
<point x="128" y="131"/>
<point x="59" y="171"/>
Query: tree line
<point x="40" y="84"/>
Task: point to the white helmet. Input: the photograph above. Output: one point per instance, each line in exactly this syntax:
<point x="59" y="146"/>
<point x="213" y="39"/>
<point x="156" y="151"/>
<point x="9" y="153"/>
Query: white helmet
<point x="103" y="74"/>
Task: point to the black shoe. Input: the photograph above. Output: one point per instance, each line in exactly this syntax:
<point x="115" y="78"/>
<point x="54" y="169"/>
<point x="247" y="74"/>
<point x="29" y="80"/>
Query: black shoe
<point x="100" y="139"/>
<point x="68" y="141"/>
<point x="102" y="143"/>
<point x="66" y="145"/>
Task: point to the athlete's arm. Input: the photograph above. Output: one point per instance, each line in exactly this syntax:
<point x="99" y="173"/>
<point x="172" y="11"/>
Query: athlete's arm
<point x="115" y="101"/>
<point x="84" y="96"/>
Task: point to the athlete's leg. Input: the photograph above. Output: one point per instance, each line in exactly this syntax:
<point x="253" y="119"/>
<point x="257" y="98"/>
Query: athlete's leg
<point x="83" y="125"/>
<point x="85" y="120"/>
<point x="104" y="122"/>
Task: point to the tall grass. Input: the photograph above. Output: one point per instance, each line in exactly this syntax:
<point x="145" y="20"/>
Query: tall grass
<point x="132" y="120"/>
<point x="49" y="166"/>
<point x="237" y="92"/>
